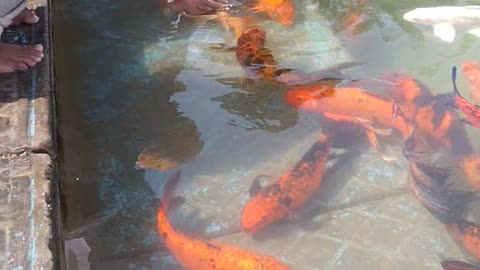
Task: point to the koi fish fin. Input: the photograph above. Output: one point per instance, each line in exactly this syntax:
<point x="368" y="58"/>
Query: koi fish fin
<point x="378" y="131"/>
<point x="454" y="81"/>
<point x="338" y="117"/>
<point x="168" y="190"/>
<point x="444" y="31"/>
<point x="257" y="186"/>
<point x="345" y="65"/>
<point x="372" y="138"/>
<point x="458" y="265"/>
<point x="475" y="32"/>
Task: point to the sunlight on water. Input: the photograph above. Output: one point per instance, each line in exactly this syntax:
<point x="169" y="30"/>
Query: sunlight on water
<point x="141" y="96"/>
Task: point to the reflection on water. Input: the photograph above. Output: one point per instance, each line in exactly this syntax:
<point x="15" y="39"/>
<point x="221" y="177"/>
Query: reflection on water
<point x="140" y="95"/>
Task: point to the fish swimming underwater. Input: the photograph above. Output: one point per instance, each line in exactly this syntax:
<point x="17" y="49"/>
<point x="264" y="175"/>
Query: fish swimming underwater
<point x="259" y="62"/>
<point x="444" y="19"/>
<point x="471" y="71"/>
<point x="455" y="99"/>
<point x="281" y="11"/>
<point x="195" y="254"/>
<point x="357" y="104"/>
<point x="458" y="265"/>
<point x="279" y="199"/>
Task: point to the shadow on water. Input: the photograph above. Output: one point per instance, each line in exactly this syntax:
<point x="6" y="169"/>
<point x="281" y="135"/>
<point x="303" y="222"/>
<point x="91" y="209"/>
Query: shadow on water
<point x="111" y="111"/>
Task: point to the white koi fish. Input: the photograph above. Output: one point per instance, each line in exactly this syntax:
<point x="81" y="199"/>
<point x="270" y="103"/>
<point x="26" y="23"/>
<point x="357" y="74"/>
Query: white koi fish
<point x="444" y="19"/>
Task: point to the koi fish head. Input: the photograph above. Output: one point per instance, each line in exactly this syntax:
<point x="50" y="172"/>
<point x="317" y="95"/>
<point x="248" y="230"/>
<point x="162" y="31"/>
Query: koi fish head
<point x="255" y="34"/>
<point x="259" y="213"/>
<point x="284" y="13"/>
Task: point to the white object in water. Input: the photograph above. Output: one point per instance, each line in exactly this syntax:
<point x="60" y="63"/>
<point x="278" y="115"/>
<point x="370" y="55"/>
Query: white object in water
<point x="445" y="19"/>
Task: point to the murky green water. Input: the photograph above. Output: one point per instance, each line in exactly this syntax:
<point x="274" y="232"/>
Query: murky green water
<point x="133" y="83"/>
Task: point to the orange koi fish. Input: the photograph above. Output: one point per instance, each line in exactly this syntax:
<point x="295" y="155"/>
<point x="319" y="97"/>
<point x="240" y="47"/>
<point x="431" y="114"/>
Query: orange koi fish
<point x="455" y="99"/>
<point x="457" y="265"/>
<point x="354" y="103"/>
<point x="195" y="254"/>
<point x="471" y="71"/>
<point x="253" y="56"/>
<point x="279" y="199"/>
<point x="281" y="11"/>
<point x="466" y="234"/>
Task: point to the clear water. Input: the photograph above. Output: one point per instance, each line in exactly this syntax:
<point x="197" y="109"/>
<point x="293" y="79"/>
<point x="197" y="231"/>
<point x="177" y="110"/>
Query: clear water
<point x="130" y="82"/>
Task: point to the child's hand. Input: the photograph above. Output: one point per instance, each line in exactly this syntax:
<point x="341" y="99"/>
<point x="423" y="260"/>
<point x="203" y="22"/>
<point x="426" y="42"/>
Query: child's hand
<point x="200" y="6"/>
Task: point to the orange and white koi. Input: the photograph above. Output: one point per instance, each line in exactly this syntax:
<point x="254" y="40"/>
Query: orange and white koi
<point x="195" y="254"/>
<point x="278" y="200"/>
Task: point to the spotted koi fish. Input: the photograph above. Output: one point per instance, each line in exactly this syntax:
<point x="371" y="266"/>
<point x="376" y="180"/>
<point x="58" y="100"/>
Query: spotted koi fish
<point x="457" y="265"/>
<point x="259" y="62"/>
<point x="194" y="254"/>
<point x="471" y="71"/>
<point x="455" y="99"/>
<point x="278" y="200"/>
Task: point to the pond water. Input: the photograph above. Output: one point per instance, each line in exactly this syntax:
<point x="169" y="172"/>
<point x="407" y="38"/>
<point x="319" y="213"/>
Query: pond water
<point x="141" y="95"/>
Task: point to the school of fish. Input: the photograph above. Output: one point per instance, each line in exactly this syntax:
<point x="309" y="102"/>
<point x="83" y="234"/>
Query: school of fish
<point x="430" y="128"/>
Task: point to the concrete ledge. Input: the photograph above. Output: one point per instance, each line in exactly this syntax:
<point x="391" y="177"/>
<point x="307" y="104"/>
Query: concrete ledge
<point x="28" y="187"/>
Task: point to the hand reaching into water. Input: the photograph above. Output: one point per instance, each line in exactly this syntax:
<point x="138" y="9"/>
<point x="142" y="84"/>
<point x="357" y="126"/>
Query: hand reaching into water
<point x="199" y="6"/>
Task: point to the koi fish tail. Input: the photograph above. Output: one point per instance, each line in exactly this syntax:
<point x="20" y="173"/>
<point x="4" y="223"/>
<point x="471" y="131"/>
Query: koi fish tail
<point x="449" y="99"/>
<point x="163" y="225"/>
